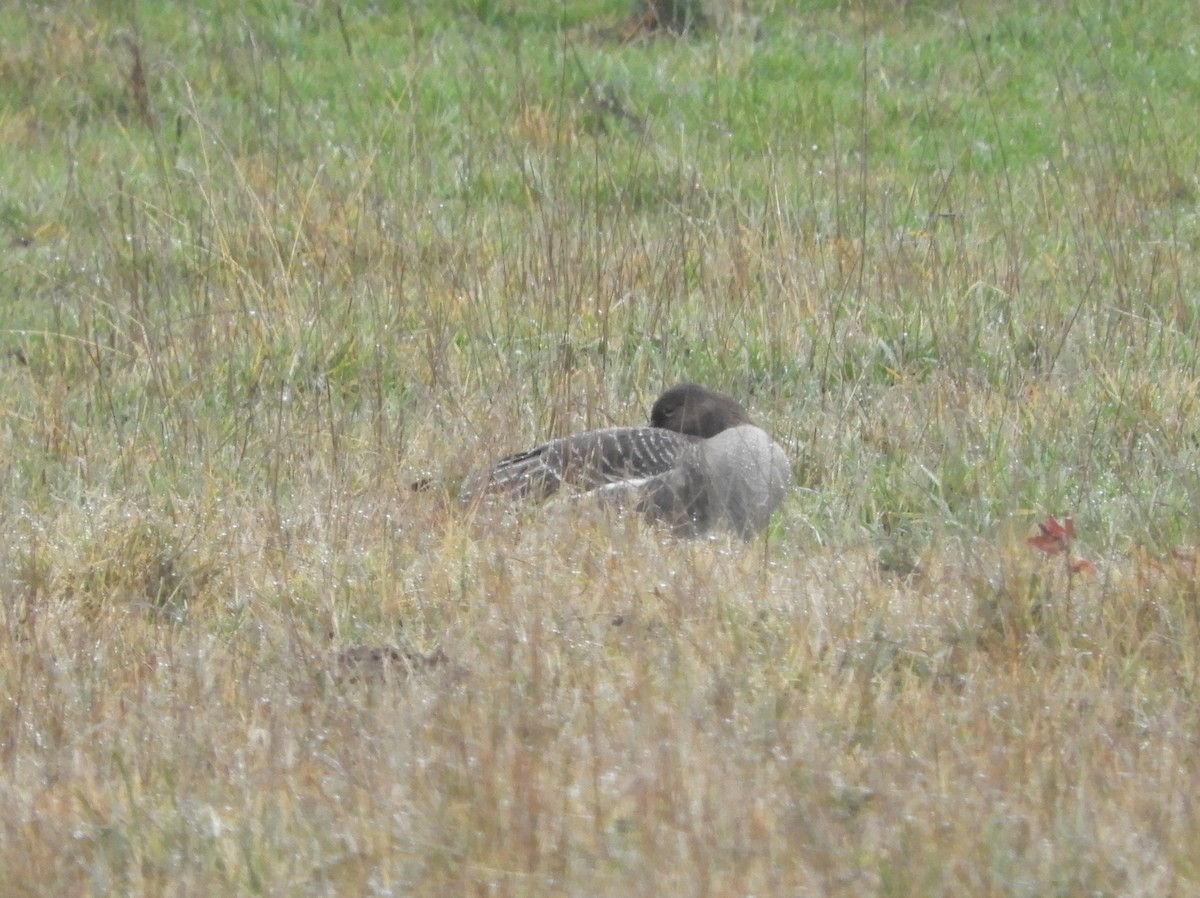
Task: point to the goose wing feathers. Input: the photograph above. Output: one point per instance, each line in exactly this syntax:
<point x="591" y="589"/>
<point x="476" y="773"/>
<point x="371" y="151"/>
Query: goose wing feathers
<point x="585" y="461"/>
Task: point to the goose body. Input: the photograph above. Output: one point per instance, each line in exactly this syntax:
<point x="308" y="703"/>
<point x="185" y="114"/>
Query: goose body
<point x="700" y="465"/>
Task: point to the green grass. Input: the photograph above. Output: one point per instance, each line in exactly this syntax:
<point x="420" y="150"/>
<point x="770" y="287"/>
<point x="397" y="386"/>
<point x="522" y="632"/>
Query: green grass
<point x="265" y="265"/>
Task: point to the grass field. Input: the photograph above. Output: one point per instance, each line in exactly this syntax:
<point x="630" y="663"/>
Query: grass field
<point x="267" y="264"/>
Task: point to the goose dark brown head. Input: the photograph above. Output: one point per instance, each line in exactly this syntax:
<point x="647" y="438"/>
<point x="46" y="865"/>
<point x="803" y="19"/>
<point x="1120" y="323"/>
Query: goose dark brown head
<point x="697" y="411"/>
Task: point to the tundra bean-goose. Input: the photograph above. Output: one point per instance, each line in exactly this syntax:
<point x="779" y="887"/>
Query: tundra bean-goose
<point x="700" y="465"/>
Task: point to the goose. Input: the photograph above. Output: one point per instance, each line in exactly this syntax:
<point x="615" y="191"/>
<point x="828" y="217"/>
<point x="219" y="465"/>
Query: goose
<point x="700" y="465"/>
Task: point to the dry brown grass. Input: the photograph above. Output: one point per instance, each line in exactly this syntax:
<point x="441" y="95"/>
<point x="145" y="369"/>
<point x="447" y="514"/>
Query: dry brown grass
<point x="629" y="715"/>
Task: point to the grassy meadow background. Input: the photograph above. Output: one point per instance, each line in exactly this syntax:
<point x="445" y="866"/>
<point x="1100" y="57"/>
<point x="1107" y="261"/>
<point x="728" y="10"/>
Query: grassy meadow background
<point x="267" y="264"/>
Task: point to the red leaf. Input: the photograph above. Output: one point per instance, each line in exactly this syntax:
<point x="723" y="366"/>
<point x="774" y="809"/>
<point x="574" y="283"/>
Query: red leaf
<point x="1082" y="566"/>
<point x="1054" y="537"/>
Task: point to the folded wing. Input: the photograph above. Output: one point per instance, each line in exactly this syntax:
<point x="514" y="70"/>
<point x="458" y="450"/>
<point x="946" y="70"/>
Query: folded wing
<point x="582" y="462"/>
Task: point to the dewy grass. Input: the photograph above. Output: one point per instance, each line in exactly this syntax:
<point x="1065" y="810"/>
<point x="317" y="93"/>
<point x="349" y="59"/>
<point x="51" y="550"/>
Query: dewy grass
<point x="267" y="268"/>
